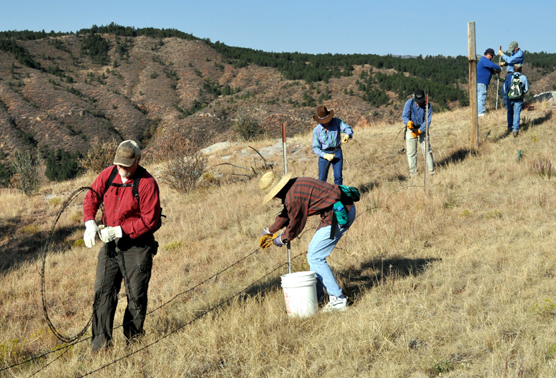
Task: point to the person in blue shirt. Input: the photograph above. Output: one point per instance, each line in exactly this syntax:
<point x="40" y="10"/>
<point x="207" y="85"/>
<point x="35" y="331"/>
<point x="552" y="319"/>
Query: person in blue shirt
<point x="413" y="117"/>
<point x="513" y="56"/>
<point x="327" y="143"/>
<point x="514" y="104"/>
<point x="485" y="69"/>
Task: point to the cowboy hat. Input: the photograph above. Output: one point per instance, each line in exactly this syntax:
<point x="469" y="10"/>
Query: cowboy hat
<point x="323" y="115"/>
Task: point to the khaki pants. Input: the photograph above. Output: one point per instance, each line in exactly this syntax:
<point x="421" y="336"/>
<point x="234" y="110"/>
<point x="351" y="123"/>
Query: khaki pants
<point x="411" y="149"/>
<point x="125" y="260"/>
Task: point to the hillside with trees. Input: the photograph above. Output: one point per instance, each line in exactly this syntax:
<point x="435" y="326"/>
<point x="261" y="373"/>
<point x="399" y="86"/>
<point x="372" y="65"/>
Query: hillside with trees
<point x="59" y="92"/>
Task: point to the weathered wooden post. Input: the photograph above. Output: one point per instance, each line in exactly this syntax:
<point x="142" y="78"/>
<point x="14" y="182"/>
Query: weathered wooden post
<point x="473" y="102"/>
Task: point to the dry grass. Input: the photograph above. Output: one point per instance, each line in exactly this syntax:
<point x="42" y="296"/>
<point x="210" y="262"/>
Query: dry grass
<point x="456" y="282"/>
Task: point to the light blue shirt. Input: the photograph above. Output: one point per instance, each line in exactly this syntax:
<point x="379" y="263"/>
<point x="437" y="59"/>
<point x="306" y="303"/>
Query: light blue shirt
<point x="327" y="138"/>
<point x="516" y="57"/>
<point x="415" y="113"/>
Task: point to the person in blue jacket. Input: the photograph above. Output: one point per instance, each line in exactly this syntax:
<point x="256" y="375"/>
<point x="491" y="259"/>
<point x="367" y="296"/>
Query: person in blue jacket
<point x="513" y="56"/>
<point x="327" y="143"/>
<point x="413" y="117"/>
<point x="485" y="69"/>
<point x="515" y="102"/>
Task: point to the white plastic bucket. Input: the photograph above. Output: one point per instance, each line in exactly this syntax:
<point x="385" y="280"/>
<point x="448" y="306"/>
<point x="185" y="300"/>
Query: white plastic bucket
<point x="300" y="293"/>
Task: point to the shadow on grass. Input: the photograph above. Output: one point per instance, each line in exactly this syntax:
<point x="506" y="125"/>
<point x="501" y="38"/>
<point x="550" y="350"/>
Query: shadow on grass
<point x="527" y="123"/>
<point x="369" y="274"/>
<point x="455" y="157"/>
<point x="21" y="243"/>
<point x="377" y="272"/>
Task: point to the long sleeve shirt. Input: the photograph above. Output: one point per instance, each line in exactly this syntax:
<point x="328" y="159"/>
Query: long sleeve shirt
<point x="121" y="207"/>
<point x="326" y="138"/>
<point x="415" y="113"/>
<point x="524" y="82"/>
<point x="306" y="197"/>
<point x="516" y="57"/>
<point x="485" y="69"/>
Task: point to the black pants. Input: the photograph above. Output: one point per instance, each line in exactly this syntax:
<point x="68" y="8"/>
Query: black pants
<point x="128" y="259"/>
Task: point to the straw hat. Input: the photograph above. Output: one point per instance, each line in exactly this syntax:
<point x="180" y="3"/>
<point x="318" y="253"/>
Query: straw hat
<point x="271" y="184"/>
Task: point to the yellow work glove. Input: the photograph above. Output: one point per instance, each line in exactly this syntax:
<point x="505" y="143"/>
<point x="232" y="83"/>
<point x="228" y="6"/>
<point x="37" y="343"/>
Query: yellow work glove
<point x="266" y="240"/>
<point x="416" y="133"/>
<point x="345" y="138"/>
<point x="329" y="157"/>
<point x="500" y="52"/>
<point x="410" y="125"/>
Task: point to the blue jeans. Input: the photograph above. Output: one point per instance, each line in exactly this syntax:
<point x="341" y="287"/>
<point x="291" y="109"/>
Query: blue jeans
<point x="514" y="112"/>
<point x="320" y="248"/>
<point x="482" y="96"/>
<point x="337" y="165"/>
<point x="507" y="84"/>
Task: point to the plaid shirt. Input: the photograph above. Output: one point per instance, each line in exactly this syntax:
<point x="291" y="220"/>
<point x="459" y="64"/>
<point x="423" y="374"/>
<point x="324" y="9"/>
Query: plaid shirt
<point x="305" y="197"/>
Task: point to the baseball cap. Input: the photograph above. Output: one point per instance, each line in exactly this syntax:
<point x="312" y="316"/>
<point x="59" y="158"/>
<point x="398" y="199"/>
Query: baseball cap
<point x="128" y="151"/>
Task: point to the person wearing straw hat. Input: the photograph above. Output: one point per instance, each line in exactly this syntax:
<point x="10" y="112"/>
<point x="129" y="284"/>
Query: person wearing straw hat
<point x="327" y="143"/>
<point x="130" y="217"/>
<point x="513" y="56"/>
<point x="303" y="197"/>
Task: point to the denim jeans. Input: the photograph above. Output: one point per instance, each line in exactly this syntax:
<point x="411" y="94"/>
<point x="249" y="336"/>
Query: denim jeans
<point x="514" y="112"/>
<point x="320" y="248"/>
<point x="482" y="96"/>
<point x="337" y="165"/>
<point x="507" y="83"/>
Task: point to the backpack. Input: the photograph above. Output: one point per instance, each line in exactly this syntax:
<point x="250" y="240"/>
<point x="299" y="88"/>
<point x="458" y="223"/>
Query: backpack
<point x="516" y="88"/>
<point x="134" y="189"/>
<point x="348" y="194"/>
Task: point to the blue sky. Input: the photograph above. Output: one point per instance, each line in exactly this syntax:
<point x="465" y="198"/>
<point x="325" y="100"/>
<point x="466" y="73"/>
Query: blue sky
<point x="367" y="27"/>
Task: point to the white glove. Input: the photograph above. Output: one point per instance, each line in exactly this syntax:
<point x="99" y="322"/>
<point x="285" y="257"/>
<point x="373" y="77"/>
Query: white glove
<point x="107" y="234"/>
<point x="91" y="230"/>
<point x="345" y="138"/>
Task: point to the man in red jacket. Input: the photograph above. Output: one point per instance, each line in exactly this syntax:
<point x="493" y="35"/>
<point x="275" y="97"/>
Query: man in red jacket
<point x="129" y="219"/>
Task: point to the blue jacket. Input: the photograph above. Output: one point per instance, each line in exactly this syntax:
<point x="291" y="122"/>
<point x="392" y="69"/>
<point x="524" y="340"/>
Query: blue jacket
<point x="516" y="57"/>
<point x="485" y="69"/>
<point x="415" y="113"/>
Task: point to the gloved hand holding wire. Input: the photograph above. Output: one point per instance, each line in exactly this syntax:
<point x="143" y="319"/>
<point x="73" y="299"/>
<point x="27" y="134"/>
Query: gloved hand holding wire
<point x="345" y="138"/>
<point x="500" y="52"/>
<point x="107" y="234"/>
<point x="329" y="157"/>
<point x="91" y="230"/>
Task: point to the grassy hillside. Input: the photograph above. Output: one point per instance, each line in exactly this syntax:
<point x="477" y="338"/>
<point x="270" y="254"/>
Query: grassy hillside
<point x="457" y="281"/>
<point x="66" y="90"/>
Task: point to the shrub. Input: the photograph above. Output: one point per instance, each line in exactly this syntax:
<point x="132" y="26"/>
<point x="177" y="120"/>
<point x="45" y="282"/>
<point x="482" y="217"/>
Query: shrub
<point x="99" y="156"/>
<point x="543" y="167"/>
<point x="185" y="165"/>
<point x="27" y="173"/>
<point x="248" y="124"/>
<point x="62" y="165"/>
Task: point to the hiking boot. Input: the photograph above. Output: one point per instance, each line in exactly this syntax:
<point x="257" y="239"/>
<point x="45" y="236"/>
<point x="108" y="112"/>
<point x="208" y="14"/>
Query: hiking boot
<point x="335" y="304"/>
<point x="516" y="133"/>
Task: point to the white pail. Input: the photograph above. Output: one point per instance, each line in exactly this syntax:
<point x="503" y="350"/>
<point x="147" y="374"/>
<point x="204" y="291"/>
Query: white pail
<point x="300" y="293"/>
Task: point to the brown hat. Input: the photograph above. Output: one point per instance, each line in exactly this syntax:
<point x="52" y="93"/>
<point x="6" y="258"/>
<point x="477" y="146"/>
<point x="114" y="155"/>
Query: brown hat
<point x="323" y="115"/>
<point x="127" y="153"/>
<point x="272" y="185"/>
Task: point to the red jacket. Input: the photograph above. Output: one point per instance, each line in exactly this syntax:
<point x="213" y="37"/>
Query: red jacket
<point x="120" y="206"/>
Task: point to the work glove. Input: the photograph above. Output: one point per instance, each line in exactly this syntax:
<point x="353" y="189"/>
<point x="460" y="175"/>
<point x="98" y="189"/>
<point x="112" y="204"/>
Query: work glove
<point x="267" y="239"/>
<point x="500" y="52"/>
<point x="107" y="234"/>
<point x="329" y="157"/>
<point x="503" y="63"/>
<point x="277" y="241"/>
<point x="345" y="138"/>
<point x="91" y="230"/>
<point x="415" y="132"/>
<point x="410" y="125"/>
